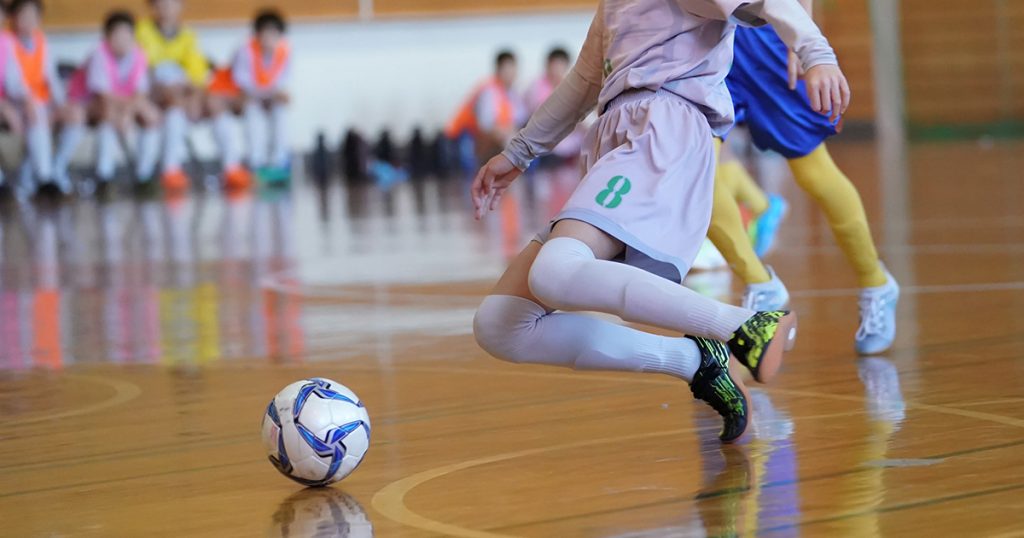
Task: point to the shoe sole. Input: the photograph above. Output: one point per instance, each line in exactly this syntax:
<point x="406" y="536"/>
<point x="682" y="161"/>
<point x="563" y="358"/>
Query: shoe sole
<point x="735" y="366"/>
<point x="784" y="340"/>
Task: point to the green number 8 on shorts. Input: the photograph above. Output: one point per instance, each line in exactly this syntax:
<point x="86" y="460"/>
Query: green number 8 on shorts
<point x="611" y="197"/>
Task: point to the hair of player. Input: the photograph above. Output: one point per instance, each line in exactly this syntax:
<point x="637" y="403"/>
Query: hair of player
<point x="16" y="6"/>
<point x="558" y="54"/>
<point x="118" y="18"/>
<point x="269" y="19"/>
<point x="503" y="57"/>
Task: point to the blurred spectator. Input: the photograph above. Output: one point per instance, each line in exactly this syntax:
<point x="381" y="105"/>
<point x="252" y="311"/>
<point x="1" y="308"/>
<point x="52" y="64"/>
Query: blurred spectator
<point x="179" y="75"/>
<point x="112" y="90"/>
<point x="34" y="78"/>
<point x="490" y="116"/>
<point x="256" y="84"/>
<point x="557" y="67"/>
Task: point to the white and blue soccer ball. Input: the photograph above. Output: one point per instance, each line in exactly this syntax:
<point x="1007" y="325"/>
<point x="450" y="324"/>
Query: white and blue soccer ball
<point x="316" y="431"/>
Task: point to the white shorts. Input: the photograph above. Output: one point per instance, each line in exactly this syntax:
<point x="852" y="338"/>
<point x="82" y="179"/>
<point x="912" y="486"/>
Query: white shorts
<point x="648" y="179"/>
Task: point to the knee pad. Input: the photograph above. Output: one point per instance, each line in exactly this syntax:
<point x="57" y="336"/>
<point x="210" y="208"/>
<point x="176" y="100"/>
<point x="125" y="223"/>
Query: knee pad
<point x="552" y="273"/>
<point x="504" y="323"/>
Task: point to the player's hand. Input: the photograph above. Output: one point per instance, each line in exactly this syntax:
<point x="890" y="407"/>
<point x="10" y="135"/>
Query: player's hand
<point x="794" y="69"/>
<point x="828" y="90"/>
<point x="491" y="182"/>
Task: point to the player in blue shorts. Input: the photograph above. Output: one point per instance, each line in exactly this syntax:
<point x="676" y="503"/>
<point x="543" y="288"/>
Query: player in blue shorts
<point x="774" y="103"/>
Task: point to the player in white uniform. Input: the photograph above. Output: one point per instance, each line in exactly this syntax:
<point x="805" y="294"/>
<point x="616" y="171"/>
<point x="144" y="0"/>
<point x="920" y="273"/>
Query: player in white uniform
<point x="656" y="71"/>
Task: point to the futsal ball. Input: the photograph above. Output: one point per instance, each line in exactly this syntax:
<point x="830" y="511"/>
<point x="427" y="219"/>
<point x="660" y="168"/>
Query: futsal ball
<point x="316" y="431"/>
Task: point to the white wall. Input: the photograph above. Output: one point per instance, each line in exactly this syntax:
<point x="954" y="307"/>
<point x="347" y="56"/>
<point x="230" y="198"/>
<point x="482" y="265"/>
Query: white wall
<point x="393" y="74"/>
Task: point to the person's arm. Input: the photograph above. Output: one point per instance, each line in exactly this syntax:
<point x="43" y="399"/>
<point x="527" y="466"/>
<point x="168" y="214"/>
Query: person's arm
<point x="555" y="119"/>
<point x="14" y="83"/>
<point x="827" y="88"/>
<point x="53" y="79"/>
<point x="567" y="105"/>
<point x="793" y="67"/>
<point x="241" y="71"/>
<point x="96" y="79"/>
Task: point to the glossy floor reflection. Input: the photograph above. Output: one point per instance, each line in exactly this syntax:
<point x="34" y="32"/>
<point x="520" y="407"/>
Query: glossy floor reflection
<point x="141" y="339"/>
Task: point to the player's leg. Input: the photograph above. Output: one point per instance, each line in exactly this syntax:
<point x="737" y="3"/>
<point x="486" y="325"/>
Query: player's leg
<point x="147" y="117"/>
<point x="72" y="121"/>
<point x="764" y="290"/>
<point x="818" y="175"/>
<point x="173" y="99"/>
<point x="38" y="143"/>
<point x="107" y="120"/>
<point x="513" y="325"/>
<point x="574" y="272"/>
<point x="255" y="114"/>
<point x="10" y="118"/>
<point x="729" y="236"/>
<point x="279" y="110"/>
<point x="221" y="109"/>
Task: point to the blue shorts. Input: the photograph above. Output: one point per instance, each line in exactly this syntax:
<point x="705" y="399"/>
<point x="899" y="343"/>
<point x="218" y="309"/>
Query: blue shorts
<point x="779" y="119"/>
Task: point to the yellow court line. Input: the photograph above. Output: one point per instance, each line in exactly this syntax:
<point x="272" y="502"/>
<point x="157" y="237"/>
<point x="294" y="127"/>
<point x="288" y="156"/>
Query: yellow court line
<point x="390" y="500"/>
<point x="123" y="392"/>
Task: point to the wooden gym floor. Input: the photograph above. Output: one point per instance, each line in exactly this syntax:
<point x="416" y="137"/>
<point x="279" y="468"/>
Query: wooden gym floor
<point x="141" y="341"/>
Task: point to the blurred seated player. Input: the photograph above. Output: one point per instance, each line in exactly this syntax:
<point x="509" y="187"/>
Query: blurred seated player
<point x="34" y="81"/>
<point x="179" y="74"/>
<point x="557" y="67"/>
<point x="112" y="91"/>
<point x="256" y="85"/>
<point x="10" y="117"/>
<point x="488" y="119"/>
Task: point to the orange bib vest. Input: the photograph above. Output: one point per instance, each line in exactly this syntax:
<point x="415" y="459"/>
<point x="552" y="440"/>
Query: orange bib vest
<point x="263" y="75"/>
<point x="33" y="66"/>
<point x="466" y="121"/>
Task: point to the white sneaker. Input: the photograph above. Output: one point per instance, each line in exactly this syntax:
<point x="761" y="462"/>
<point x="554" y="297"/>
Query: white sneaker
<point x="766" y="296"/>
<point x="877" y="317"/>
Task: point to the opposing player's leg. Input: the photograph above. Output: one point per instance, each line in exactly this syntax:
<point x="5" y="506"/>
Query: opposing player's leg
<point x="818" y="175"/>
<point x="764" y="290"/>
<point x="515" y="326"/>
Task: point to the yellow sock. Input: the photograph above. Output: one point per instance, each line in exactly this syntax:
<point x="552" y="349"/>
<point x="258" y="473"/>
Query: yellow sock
<point x="819" y="177"/>
<point x="729" y="236"/>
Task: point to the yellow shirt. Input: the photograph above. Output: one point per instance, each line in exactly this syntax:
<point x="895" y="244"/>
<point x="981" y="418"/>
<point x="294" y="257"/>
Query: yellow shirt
<point x="182" y="49"/>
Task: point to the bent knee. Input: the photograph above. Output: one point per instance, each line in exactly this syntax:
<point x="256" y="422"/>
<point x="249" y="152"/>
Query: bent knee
<point x="553" y="272"/>
<point x="502" y="326"/>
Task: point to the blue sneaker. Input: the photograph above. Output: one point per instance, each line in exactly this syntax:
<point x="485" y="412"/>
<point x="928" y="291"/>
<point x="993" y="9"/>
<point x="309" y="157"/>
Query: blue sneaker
<point x="768" y="224"/>
<point x="878" y="317"/>
<point x="766" y="296"/>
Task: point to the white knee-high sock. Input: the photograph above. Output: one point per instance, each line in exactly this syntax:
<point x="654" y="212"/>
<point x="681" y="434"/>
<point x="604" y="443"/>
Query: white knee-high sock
<point x="39" y="140"/>
<point x="279" y="135"/>
<point x="148" y="153"/>
<point x="70" y="137"/>
<point x="256" y="135"/>
<point x="519" y="330"/>
<point x="225" y="139"/>
<point x="106" y="151"/>
<point x="175" y="131"/>
<point x="567" y="276"/>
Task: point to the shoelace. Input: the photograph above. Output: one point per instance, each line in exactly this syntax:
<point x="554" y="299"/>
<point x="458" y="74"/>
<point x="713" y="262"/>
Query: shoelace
<point x="872" y="316"/>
